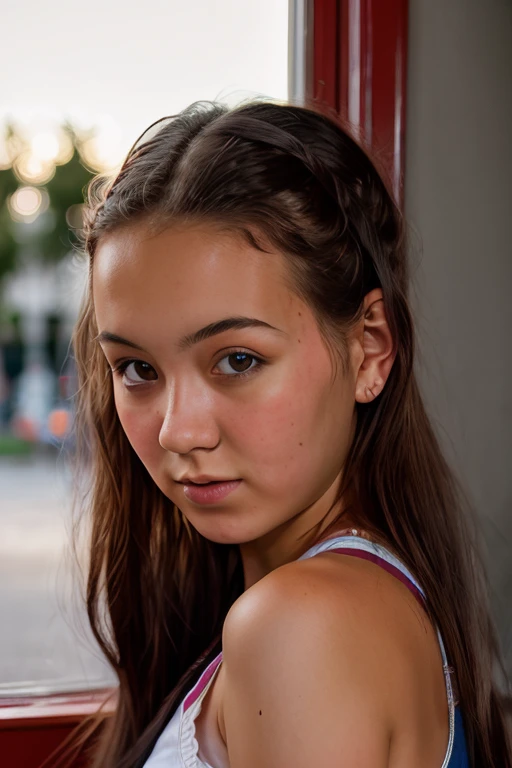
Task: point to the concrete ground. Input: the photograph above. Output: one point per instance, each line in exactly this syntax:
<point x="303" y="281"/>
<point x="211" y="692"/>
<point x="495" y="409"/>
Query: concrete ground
<point x="45" y="644"/>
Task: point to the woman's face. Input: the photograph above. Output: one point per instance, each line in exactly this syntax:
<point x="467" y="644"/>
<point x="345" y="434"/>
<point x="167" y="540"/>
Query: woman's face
<point x="257" y="403"/>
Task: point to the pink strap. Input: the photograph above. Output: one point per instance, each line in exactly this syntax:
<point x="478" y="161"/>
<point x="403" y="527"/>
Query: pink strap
<point x="203" y="681"/>
<point x="364" y="555"/>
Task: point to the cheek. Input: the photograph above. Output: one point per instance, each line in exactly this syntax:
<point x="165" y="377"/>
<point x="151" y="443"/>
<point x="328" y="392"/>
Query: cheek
<point x="299" y="432"/>
<point x="142" y="428"/>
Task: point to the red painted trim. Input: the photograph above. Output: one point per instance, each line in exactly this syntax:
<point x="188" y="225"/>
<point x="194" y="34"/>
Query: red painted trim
<point x="325" y="53"/>
<point x="360" y="70"/>
<point x="31" y="748"/>
<point x="365" y="70"/>
<point x="33" y="728"/>
<point x="389" y="73"/>
<point x="343" y="61"/>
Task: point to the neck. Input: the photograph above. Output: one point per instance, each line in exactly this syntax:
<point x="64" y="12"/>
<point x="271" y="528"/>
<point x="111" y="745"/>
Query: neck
<point x="291" y="539"/>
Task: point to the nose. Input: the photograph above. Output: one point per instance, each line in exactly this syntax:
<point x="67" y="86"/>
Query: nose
<point x="188" y="420"/>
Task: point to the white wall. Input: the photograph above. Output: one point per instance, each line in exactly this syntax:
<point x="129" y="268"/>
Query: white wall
<point x="459" y="204"/>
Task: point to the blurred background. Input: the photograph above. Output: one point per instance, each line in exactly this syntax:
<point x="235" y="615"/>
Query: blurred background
<point x="81" y="82"/>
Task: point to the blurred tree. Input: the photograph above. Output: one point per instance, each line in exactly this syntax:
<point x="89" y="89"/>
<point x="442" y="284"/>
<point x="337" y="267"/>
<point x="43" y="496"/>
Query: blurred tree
<point x="8" y="245"/>
<point x="65" y="190"/>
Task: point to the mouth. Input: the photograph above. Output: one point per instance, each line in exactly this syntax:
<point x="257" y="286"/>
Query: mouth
<point x="202" y="480"/>
<point x="210" y="492"/>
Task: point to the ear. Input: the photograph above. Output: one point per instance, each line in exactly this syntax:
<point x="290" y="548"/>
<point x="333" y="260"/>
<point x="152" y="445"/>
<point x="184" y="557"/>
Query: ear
<point x="377" y="346"/>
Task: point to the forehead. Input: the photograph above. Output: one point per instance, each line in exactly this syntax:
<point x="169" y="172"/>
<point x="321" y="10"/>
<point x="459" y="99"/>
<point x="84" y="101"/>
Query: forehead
<point x="190" y="275"/>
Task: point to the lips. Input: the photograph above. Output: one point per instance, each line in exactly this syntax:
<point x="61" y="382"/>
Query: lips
<point x="209" y="493"/>
<point x="202" y="480"/>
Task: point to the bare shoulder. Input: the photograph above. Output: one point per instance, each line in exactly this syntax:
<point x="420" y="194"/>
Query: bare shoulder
<point x="318" y="647"/>
<point x="327" y="597"/>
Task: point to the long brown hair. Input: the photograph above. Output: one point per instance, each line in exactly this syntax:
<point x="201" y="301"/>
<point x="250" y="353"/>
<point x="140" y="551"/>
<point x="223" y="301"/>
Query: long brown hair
<point x="157" y="591"/>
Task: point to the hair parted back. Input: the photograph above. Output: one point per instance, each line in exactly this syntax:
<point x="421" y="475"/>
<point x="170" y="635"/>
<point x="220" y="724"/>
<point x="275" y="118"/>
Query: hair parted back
<point x="157" y="591"/>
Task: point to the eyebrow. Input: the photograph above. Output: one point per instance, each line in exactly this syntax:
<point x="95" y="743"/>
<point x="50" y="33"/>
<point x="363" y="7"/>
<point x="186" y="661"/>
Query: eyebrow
<point x="228" y="324"/>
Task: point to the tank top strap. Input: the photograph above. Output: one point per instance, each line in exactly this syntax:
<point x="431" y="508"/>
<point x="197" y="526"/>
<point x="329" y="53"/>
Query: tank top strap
<point x="357" y="546"/>
<point x="203" y="682"/>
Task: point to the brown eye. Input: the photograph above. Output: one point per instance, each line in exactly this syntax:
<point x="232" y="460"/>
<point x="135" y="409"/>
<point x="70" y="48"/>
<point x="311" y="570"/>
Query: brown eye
<point x="239" y="363"/>
<point x="137" y="372"/>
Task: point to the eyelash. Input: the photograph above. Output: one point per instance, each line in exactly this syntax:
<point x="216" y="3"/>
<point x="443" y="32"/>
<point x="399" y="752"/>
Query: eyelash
<point x="122" y="366"/>
<point x="259" y="363"/>
<point x="120" y="369"/>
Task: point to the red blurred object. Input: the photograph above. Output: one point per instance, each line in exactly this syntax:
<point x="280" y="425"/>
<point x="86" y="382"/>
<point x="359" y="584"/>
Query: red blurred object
<point x="25" y="429"/>
<point x="59" y="422"/>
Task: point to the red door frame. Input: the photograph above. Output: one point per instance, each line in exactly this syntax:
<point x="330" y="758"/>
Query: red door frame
<point x="358" y="67"/>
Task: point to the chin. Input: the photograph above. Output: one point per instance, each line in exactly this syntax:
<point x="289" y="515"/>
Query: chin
<point x="217" y="527"/>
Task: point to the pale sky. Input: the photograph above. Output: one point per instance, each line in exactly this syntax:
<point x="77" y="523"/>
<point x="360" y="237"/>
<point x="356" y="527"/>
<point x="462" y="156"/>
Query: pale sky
<point x="133" y="62"/>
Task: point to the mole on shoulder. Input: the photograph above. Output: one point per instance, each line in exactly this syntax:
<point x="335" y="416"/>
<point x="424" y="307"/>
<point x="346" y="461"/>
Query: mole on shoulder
<point x="260" y="711"/>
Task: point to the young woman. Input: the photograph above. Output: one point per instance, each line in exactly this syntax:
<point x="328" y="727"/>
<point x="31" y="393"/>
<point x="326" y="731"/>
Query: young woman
<point x="281" y="574"/>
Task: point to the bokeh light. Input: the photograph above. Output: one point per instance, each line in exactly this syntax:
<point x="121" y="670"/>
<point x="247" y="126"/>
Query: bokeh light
<point x="27" y="203"/>
<point x="52" y="147"/>
<point x="31" y="169"/>
<point x="10" y="147"/>
<point x="104" y="150"/>
<point x="5" y="155"/>
<point x="45" y="146"/>
<point x="75" y="216"/>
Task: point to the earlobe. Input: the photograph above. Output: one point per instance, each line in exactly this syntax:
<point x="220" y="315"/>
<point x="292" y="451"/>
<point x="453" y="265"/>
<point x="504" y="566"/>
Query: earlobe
<point x="378" y="348"/>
